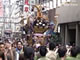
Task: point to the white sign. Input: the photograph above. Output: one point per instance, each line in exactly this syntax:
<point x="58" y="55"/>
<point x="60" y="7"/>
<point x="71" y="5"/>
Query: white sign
<point x="32" y="2"/>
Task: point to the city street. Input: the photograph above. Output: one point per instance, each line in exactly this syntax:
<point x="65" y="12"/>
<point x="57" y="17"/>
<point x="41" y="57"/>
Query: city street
<point x="39" y="29"/>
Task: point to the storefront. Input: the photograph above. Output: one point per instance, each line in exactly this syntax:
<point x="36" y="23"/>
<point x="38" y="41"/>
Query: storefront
<point x="70" y="33"/>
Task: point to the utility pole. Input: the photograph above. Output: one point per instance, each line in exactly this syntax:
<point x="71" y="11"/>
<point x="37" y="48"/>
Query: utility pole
<point x="10" y="13"/>
<point x="10" y="16"/>
<point x="3" y="30"/>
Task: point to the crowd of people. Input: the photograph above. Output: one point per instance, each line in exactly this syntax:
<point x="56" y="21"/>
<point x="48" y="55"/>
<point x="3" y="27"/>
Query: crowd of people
<point x="21" y="50"/>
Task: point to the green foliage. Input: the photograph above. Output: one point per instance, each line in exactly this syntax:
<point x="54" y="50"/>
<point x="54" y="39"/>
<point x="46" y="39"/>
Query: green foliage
<point x="55" y="37"/>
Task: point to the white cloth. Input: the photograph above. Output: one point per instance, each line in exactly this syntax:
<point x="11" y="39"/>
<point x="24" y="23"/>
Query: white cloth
<point x="37" y="45"/>
<point x="17" y="56"/>
<point x="51" y="55"/>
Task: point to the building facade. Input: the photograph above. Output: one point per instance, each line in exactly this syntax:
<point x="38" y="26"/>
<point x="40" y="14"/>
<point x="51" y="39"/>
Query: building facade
<point x="68" y="12"/>
<point x="69" y="21"/>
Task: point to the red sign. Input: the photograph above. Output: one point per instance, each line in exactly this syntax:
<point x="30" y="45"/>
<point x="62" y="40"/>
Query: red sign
<point x="27" y="2"/>
<point x="26" y="9"/>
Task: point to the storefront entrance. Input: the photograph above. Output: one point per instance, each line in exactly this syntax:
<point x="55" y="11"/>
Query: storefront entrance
<point x="72" y="36"/>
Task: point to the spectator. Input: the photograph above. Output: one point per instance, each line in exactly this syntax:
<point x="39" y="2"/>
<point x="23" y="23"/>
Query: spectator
<point x="62" y="53"/>
<point x="19" y="50"/>
<point x="73" y="54"/>
<point x="2" y="47"/>
<point x="51" y="53"/>
<point x="9" y="51"/>
<point x="14" y="45"/>
<point x="43" y="52"/>
<point x="28" y="53"/>
<point x="37" y="54"/>
<point x="78" y="56"/>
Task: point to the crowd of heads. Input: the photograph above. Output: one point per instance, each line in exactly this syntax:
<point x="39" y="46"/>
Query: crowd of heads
<point x="20" y="50"/>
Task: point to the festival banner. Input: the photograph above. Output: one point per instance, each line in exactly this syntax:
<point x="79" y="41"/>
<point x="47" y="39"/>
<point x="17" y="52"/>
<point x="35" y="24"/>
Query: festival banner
<point x="26" y="6"/>
<point x="26" y="2"/>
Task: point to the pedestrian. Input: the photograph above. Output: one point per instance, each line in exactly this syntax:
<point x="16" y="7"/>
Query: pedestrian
<point x="19" y="50"/>
<point x="51" y="53"/>
<point x="62" y="53"/>
<point x="43" y="51"/>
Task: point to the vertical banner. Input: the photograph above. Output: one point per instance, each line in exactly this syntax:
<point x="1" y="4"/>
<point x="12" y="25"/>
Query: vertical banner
<point x="1" y="8"/>
<point x="54" y="3"/>
<point x="26" y="2"/>
<point x="58" y="3"/>
<point x="26" y="7"/>
<point x="51" y="4"/>
<point x="48" y="5"/>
